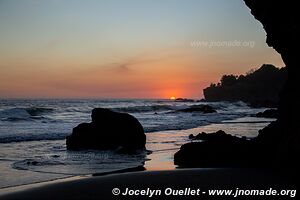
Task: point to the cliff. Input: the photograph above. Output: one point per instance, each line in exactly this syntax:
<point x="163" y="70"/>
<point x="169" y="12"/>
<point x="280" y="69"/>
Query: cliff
<point x="280" y="20"/>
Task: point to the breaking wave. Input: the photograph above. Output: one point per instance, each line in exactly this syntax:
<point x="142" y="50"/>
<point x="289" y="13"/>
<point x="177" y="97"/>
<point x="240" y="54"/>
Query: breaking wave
<point x="21" y="114"/>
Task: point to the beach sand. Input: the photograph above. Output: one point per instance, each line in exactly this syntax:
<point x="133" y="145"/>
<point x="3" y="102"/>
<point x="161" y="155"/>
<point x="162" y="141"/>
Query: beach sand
<point x="100" y="187"/>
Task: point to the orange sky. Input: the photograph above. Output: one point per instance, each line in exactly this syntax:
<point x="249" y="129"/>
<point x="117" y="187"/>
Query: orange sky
<point x="59" y="49"/>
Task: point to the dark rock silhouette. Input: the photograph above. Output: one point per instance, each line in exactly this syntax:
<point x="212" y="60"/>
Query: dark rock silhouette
<point x="278" y="144"/>
<point x="219" y="135"/>
<point x="280" y="20"/>
<point x="270" y="113"/>
<point x="199" y="108"/>
<point x="108" y="130"/>
<point x="217" y="150"/>
<point x="258" y="88"/>
<point x="184" y="100"/>
<point x="201" y="100"/>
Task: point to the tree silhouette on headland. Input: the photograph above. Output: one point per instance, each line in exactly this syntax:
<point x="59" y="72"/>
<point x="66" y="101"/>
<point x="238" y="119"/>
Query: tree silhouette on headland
<point x="259" y="87"/>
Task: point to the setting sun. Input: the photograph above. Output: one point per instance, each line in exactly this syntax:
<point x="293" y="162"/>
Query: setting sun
<point x="172" y="98"/>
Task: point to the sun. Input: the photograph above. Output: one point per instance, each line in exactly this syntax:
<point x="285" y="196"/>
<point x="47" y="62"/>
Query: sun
<point x="172" y="98"/>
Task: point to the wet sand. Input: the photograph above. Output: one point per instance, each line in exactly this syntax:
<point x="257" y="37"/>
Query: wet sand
<point x="100" y="187"/>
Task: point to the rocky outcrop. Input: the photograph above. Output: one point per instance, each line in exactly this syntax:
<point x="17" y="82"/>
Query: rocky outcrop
<point x="216" y="150"/>
<point x="108" y="130"/>
<point x="198" y="108"/>
<point x="224" y="150"/>
<point x="270" y="113"/>
<point x="205" y="154"/>
<point x="219" y="135"/>
<point x="184" y="100"/>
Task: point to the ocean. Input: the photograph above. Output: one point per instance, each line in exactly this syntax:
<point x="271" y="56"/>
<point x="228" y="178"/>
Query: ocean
<point x="33" y="131"/>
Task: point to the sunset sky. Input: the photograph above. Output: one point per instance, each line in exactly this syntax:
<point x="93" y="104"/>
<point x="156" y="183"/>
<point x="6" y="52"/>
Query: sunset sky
<point x="124" y="48"/>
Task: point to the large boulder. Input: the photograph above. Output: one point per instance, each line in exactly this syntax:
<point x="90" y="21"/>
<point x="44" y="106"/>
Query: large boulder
<point x="108" y="130"/>
<point x="216" y="153"/>
<point x="218" y="150"/>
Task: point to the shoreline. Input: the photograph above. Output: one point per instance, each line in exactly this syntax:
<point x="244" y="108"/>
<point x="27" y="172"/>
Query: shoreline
<point x="10" y="189"/>
<point x="23" y="187"/>
<point x="202" y="178"/>
<point x="161" y="159"/>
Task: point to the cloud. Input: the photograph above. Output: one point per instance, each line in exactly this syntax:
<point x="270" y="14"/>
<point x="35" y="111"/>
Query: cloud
<point x="127" y="65"/>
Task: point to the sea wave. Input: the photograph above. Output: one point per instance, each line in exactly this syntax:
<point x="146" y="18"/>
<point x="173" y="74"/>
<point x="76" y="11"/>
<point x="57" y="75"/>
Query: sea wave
<point x="20" y="114"/>
<point x="55" y="123"/>
<point x="228" y="105"/>
<point x="162" y="122"/>
<point x="179" y="106"/>
<point x="35" y="111"/>
<point x="148" y="108"/>
<point x="80" y="163"/>
<point x="33" y="137"/>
